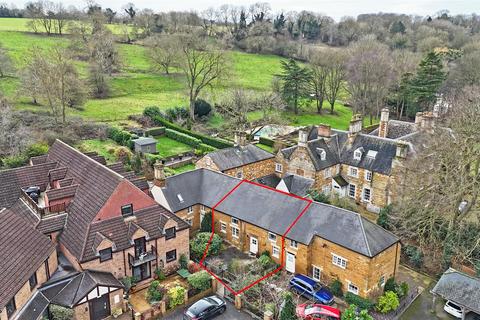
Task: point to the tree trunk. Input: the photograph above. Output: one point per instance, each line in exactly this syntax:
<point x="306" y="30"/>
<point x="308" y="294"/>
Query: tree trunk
<point x="192" y="107"/>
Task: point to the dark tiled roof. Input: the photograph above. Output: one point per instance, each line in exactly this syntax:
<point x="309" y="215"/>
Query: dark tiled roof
<point x="52" y="224"/>
<point x="235" y="157"/>
<point x="61" y="193"/>
<point x="397" y="129"/>
<point x="34" y="307"/>
<point x="99" y="159"/>
<point x="460" y="288"/>
<point x="140" y="183"/>
<point x="340" y="181"/>
<point x="57" y="173"/>
<point x="144" y="141"/>
<point x="297" y="184"/>
<point x="19" y="261"/>
<point x="270" y="180"/>
<point x="65" y="182"/>
<point x="12" y="180"/>
<point x="38" y="159"/>
<point x="117" y="167"/>
<point x="22" y="209"/>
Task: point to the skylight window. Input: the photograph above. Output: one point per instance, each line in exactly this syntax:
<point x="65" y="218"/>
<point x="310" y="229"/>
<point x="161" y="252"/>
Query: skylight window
<point x="180" y="198"/>
<point x="321" y="152"/>
<point x="371" y="154"/>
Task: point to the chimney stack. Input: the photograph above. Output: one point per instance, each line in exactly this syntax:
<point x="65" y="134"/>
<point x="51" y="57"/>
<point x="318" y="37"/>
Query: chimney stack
<point x="302" y="138"/>
<point x="355" y="127"/>
<point x="402" y="150"/>
<point x="324" y="130"/>
<point x="428" y="121"/>
<point x="383" y="127"/>
<point x="418" y="119"/>
<point x="159" y="174"/>
<point x="240" y="139"/>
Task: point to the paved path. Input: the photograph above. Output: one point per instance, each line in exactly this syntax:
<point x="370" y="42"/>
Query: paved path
<point x="230" y="314"/>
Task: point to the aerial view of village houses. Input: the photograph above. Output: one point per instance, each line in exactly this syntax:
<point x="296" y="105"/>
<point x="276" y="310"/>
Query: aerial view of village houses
<point x="238" y="160"/>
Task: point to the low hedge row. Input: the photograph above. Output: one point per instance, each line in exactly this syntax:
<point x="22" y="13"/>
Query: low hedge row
<point x="123" y="138"/>
<point x="182" y="137"/>
<point x="155" y="114"/>
<point x="205" y="148"/>
<point x="362" y="303"/>
<point x="157" y="131"/>
<point x="266" y="141"/>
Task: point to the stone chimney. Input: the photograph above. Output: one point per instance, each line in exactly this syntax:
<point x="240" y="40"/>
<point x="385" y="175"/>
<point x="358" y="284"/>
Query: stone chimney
<point x="324" y="130"/>
<point x="428" y="121"/>
<point x="418" y="119"/>
<point x="159" y="173"/>
<point x="240" y="139"/>
<point x="383" y="127"/>
<point x="355" y="127"/>
<point x="302" y="138"/>
<point x="402" y="150"/>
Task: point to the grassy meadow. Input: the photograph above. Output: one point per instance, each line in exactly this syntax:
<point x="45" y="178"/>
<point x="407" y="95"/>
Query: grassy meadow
<point x="137" y="86"/>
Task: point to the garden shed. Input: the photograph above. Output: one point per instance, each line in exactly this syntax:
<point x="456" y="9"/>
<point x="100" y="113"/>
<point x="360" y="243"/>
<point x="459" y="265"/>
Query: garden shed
<point x="145" y="145"/>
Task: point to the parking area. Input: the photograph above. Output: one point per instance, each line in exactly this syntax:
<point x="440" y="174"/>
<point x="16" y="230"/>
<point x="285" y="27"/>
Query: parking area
<point x="230" y="314"/>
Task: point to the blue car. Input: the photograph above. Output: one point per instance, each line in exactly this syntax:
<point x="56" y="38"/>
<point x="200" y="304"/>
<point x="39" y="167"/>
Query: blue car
<point x="311" y="289"/>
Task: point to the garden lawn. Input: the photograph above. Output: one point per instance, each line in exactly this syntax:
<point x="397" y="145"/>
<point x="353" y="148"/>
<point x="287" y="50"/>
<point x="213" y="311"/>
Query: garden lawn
<point x="101" y="147"/>
<point x="265" y="147"/>
<point x="167" y="147"/>
<point x="185" y="168"/>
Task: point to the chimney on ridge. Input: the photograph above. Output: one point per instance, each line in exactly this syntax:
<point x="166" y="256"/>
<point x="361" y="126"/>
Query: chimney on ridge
<point x="383" y="127"/>
<point x="302" y="138"/>
<point x="159" y="174"/>
<point x="240" y="139"/>
<point x="355" y="127"/>
<point x="324" y="130"/>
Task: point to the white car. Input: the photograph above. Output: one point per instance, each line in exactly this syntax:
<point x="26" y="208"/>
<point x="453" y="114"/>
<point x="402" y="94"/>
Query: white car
<point x="453" y="309"/>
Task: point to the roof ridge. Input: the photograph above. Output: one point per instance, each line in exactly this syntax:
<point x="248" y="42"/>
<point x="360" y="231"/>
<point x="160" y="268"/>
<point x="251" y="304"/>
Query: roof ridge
<point x="377" y="137"/>
<point x="365" y="236"/>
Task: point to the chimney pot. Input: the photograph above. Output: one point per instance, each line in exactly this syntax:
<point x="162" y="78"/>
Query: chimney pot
<point x="302" y="138"/>
<point x="383" y="126"/>
<point x="355" y="124"/>
<point x="240" y="139"/>
<point x="324" y="130"/>
<point x="159" y="174"/>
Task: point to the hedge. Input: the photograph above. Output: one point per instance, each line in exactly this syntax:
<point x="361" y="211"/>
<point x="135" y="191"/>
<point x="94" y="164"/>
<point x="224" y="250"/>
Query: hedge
<point x="182" y="137"/>
<point x="158" y="131"/>
<point x="205" y="148"/>
<point x="123" y="138"/>
<point x="159" y="120"/>
<point x="362" y="303"/>
<point x="267" y="142"/>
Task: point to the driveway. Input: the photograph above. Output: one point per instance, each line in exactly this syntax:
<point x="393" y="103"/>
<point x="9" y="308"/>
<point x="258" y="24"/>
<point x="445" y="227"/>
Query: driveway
<point x="230" y="314"/>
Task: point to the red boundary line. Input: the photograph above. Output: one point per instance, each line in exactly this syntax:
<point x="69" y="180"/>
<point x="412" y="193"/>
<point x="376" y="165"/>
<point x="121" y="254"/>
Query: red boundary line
<point x="309" y="202"/>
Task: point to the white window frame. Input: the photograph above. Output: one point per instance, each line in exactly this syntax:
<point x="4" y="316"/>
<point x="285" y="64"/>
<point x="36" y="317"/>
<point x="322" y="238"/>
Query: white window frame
<point x="353" y="172"/>
<point x="327" y="173"/>
<point x="190" y="210"/>
<point x="278" y="167"/>
<point x="353" y="290"/>
<point x="381" y="281"/>
<point x="293" y="244"/>
<point x="223" y="227"/>
<point x="354" y="190"/>
<point x="235" y="232"/>
<point x="272" y="237"/>
<point x="369" y="194"/>
<point x="357" y="154"/>
<point x="339" y="261"/>
<point x="319" y="272"/>
<point x="234" y="221"/>
<point x="277" y="249"/>
<point x="368" y="175"/>
<point x="202" y="209"/>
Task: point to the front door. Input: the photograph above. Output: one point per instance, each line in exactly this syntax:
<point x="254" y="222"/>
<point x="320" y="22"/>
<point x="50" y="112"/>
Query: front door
<point x="290" y="262"/>
<point x="253" y="245"/>
<point x="100" y="308"/>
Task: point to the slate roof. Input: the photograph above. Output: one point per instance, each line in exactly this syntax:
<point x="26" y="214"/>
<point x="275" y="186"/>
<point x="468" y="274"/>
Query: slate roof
<point x="297" y="184"/>
<point x="275" y="211"/>
<point x="340" y="181"/>
<point x="462" y="289"/>
<point x="235" y="157"/>
<point x="144" y="141"/>
<point x="271" y="180"/>
<point x="397" y="129"/>
<point x="19" y="261"/>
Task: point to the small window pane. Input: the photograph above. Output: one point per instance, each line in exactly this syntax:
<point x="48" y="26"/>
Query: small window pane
<point x="105" y="254"/>
<point x="171" y="255"/>
<point x="170" y="233"/>
<point x="127" y="210"/>
<point x="33" y="281"/>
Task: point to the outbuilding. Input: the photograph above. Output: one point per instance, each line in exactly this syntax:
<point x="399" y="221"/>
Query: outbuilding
<point x="145" y="145"/>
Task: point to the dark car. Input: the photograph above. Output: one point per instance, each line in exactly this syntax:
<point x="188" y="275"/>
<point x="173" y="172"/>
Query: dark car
<point x="311" y="289"/>
<point x="205" y="308"/>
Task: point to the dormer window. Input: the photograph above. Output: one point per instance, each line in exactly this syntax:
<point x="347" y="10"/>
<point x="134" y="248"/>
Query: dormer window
<point x="357" y="154"/>
<point x="371" y="154"/>
<point x="180" y="198"/>
<point x="127" y="210"/>
<point x="170" y="233"/>
<point x="322" y="153"/>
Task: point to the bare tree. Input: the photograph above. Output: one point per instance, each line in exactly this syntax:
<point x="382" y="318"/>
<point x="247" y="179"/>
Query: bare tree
<point x="319" y="67"/>
<point x="163" y="51"/>
<point x="6" y="65"/>
<point x="14" y="136"/>
<point x="337" y="70"/>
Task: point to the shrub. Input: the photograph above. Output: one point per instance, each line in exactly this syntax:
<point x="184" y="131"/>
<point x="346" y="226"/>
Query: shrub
<point x="362" y="303"/>
<point x="182" y="137"/>
<point x="402" y="290"/>
<point x="183" y="261"/>
<point x="14" y="161"/>
<point x="36" y="149"/>
<point x="61" y="313"/>
<point x="266" y="253"/>
<point x="265" y="261"/>
<point x="267" y="141"/>
<point x="160" y="274"/>
<point x="177" y="113"/>
<point x="176" y="296"/>
<point x="200" y="280"/>
<point x="388" y="302"/>
<point x="205" y="148"/>
<point x="121" y="137"/>
<point x="123" y="155"/>
<point x="390" y="285"/>
<point x="351" y="314"/>
<point x="288" y="310"/>
<point x="155" y="292"/>
<point x="319" y="196"/>
<point x="151" y="112"/>
<point x="129" y="282"/>
<point x="415" y="255"/>
<point x="157" y="131"/>
<point x="336" y="288"/>
<point x="202" y="108"/>
<point x="383" y="219"/>
<point x="199" y="243"/>
<point x="206" y="224"/>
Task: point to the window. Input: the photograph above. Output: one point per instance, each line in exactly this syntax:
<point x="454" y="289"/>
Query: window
<point x="171" y="255"/>
<point x="235" y="221"/>
<point x="352" y="288"/>
<point x="105" y="254"/>
<point x="202" y="208"/>
<point x="272" y="237"/>
<point x="327" y="173"/>
<point x="372" y="154"/>
<point x="293" y="244"/>
<point x="381" y="282"/>
<point x="140" y="246"/>
<point x="11" y="307"/>
<point x="189" y="221"/>
<point x="142" y="271"/>
<point x="351" y="190"/>
<point x="275" y="251"/>
<point x="339" y="261"/>
<point x="278" y="167"/>
<point x="127" y="210"/>
<point x="316" y="272"/>
<point x="240" y="174"/>
<point x="357" y="154"/>
<point x="180" y="198"/>
<point x="353" y="172"/>
<point x="235" y="232"/>
<point x="33" y="281"/>
<point x="367" y="194"/>
<point x="368" y="175"/>
<point x="190" y="210"/>
<point x="223" y="227"/>
<point x="321" y="152"/>
<point x="170" y="233"/>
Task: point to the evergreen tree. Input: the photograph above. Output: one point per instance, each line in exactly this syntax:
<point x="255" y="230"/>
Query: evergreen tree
<point x="288" y="310"/>
<point x="206" y="224"/>
<point x="279" y="23"/>
<point x="296" y="82"/>
<point x="397" y="27"/>
<point x="427" y="81"/>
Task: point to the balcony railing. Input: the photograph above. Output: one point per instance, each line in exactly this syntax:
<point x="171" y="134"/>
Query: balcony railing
<point x="143" y="258"/>
<point x="44" y="211"/>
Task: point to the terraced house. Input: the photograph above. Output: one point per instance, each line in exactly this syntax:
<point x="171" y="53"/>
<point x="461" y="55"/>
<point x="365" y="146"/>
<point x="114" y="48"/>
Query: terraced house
<point x="326" y="243"/>
<point x="102" y="221"/>
<point x="366" y="167"/>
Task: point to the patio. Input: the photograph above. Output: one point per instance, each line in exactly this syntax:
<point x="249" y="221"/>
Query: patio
<point x="219" y="263"/>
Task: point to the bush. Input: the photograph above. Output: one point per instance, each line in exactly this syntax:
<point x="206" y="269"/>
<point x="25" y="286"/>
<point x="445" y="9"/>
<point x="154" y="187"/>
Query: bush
<point x="319" y="196"/>
<point x="183" y="261"/>
<point x="336" y="288"/>
<point x="202" y="108"/>
<point x="200" y="280"/>
<point x="151" y="112"/>
<point x="160" y="274"/>
<point x="288" y="310"/>
<point x="388" y="302"/>
<point x="205" y="148"/>
<point x="390" y="285"/>
<point x="14" y="161"/>
<point x="123" y="155"/>
<point x="199" y="244"/>
<point x="36" y="149"/>
<point x="265" y="261"/>
<point x="267" y="142"/>
<point x="155" y="292"/>
<point x="351" y="314"/>
<point x="157" y="131"/>
<point x="182" y="137"/>
<point x="177" y="113"/>
<point x="206" y="224"/>
<point x="383" y="219"/>
<point x="61" y="313"/>
<point x="414" y="254"/>
<point x="176" y="296"/>
<point x="402" y="290"/>
<point x="123" y="138"/>
<point x="362" y="303"/>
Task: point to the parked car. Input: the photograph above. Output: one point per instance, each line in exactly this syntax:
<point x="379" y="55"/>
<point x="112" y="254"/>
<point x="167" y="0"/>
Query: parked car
<point x="310" y="289"/>
<point x="453" y="309"/>
<point x="205" y="308"/>
<point x="317" y="312"/>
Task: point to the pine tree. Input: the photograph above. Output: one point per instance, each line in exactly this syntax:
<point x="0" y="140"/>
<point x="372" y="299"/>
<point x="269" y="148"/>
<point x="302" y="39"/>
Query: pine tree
<point x="295" y="83"/>
<point x="288" y="310"/>
<point x="397" y="27"/>
<point x="206" y="224"/>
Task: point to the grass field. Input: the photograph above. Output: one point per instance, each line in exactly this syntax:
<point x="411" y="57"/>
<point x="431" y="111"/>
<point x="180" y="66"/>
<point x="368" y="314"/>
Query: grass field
<point x="167" y="147"/>
<point x="101" y="147"/>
